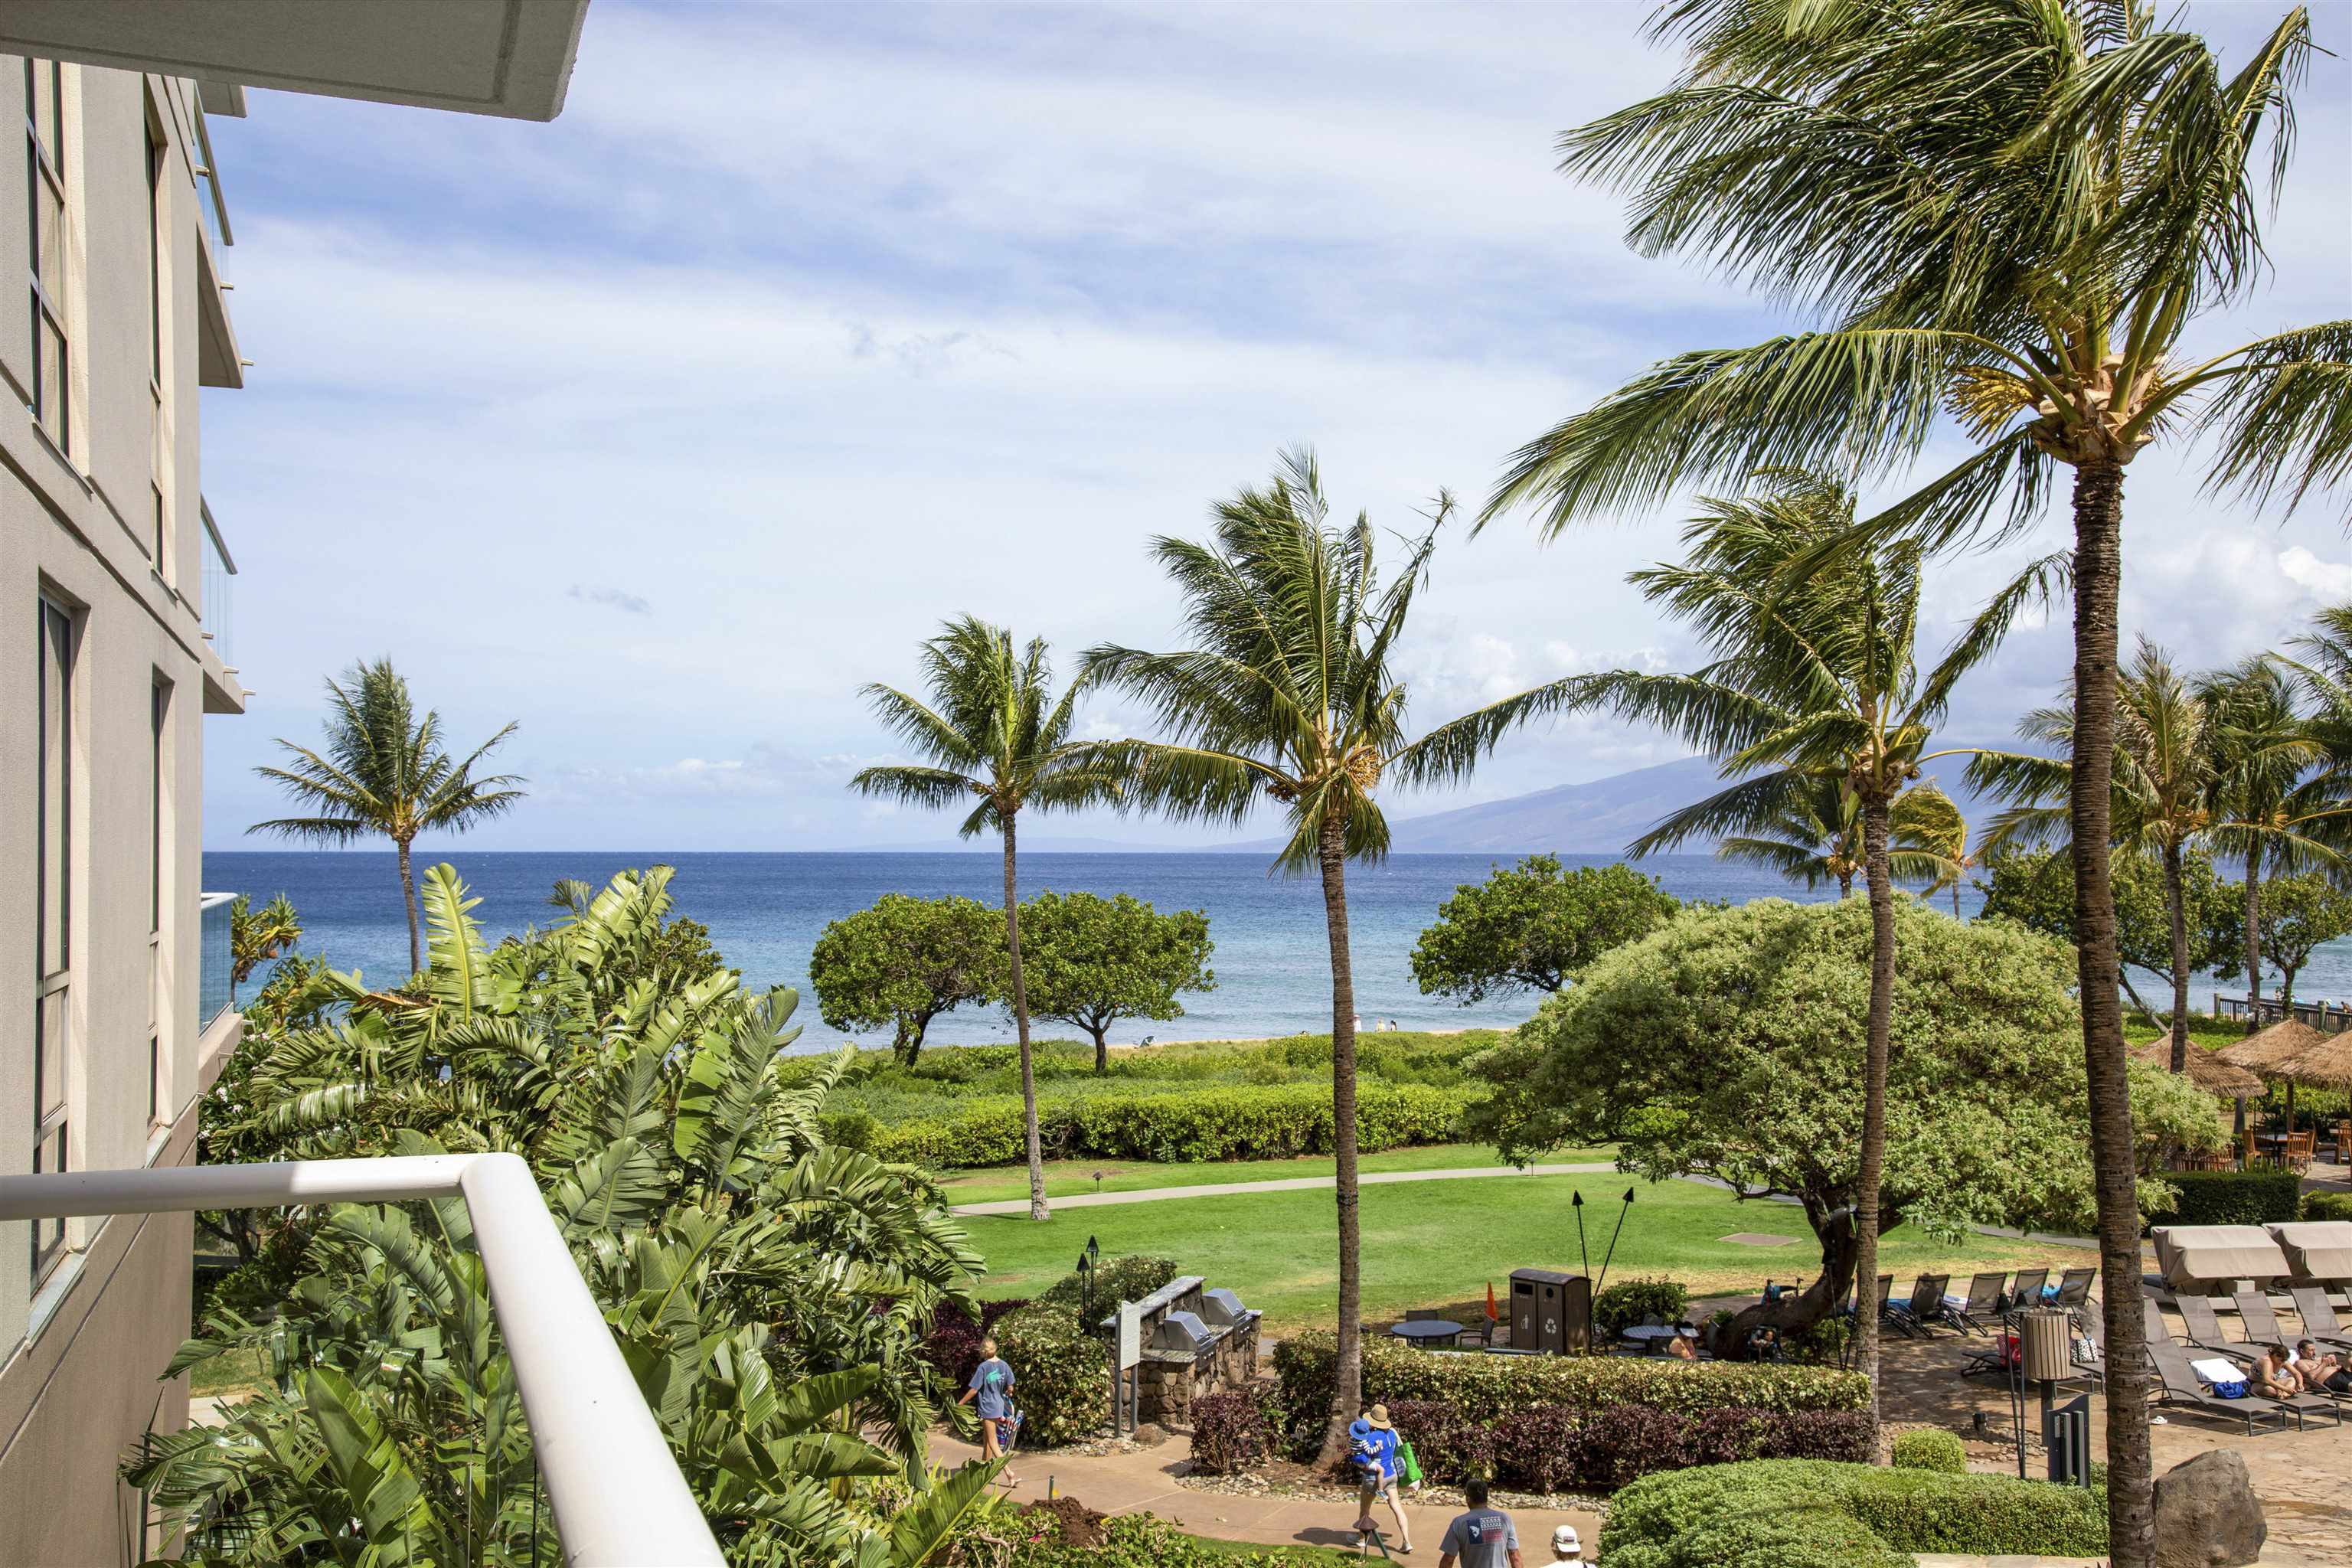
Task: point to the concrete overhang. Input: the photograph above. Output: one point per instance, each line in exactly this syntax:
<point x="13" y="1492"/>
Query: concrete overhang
<point x="506" y="58"/>
<point x="217" y="363"/>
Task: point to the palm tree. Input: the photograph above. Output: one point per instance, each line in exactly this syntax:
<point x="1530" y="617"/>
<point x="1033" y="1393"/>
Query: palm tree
<point x="998" y="741"/>
<point x="1814" y="686"/>
<point x="1811" y="833"/>
<point x="1931" y="828"/>
<point x="1290" y="693"/>
<point x="2276" y="800"/>
<point x="2161" y="789"/>
<point x="2014" y="213"/>
<point x="384" y="771"/>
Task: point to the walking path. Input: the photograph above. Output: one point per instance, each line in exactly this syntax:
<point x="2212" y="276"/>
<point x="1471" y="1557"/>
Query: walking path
<point x="1286" y="1184"/>
<point x="1144" y="1481"/>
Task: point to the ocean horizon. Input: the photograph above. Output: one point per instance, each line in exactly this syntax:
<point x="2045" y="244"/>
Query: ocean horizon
<point x="765" y="911"/>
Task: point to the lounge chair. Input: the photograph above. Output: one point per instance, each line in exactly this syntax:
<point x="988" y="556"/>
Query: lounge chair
<point x="1979" y="1310"/>
<point x="1885" y="1294"/>
<point x="2074" y="1286"/>
<point x="2027" y="1290"/>
<point x="1926" y="1305"/>
<point x="2260" y="1324"/>
<point x="2152" y="1323"/>
<point x="2319" y="1321"/>
<point x="2183" y="1389"/>
<point x="2205" y="1331"/>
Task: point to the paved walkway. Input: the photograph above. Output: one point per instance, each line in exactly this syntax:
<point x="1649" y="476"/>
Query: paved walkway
<point x="1286" y="1184"/>
<point x="1144" y="1481"/>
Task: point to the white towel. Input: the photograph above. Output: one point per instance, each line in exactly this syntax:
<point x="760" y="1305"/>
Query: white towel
<point x="2213" y="1369"/>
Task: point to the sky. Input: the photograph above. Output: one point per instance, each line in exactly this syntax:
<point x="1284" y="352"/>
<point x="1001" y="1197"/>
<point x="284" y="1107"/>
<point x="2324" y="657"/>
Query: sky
<point x="663" y="427"/>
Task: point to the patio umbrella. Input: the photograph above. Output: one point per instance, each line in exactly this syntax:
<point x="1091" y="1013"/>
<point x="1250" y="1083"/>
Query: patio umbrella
<point x="2270" y="1051"/>
<point x="2326" y="1062"/>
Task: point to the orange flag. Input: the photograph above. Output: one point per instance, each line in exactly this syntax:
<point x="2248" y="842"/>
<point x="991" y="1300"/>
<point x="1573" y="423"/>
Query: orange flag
<point x="1491" y="1315"/>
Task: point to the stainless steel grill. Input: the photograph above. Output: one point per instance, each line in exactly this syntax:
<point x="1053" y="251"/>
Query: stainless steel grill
<point x="1183" y="1331"/>
<point x="1223" y="1309"/>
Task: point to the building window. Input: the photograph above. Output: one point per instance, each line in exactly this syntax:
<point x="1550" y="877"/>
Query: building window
<point x="154" y="250"/>
<point x="53" y="808"/>
<point x="46" y="182"/>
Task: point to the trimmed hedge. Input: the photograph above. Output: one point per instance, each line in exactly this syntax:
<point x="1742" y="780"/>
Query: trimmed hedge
<point x="1276" y="1121"/>
<point x="1718" y="1515"/>
<point x="1485" y="1388"/>
<point x="1931" y="1448"/>
<point x="2328" y="1205"/>
<point x="2231" y="1197"/>
<point x="1136" y="1540"/>
<point x="1129" y="1278"/>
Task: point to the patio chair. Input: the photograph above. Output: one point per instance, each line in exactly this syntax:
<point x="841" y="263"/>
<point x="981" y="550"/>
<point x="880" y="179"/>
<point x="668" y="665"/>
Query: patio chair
<point x="2152" y="1323"/>
<point x="1422" y="1314"/>
<point x="2074" y="1286"/>
<point x="1915" y="1316"/>
<point x="1980" y="1310"/>
<point x="2250" y="1154"/>
<point x="2027" y="1290"/>
<point x="2319" y="1321"/>
<point x="2205" y="1331"/>
<point x="1887" y="1305"/>
<point x="2257" y="1322"/>
<point x="2299" y="1150"/>
<point x="2000" y="1356"/>
<point x="2184" y="1390"/>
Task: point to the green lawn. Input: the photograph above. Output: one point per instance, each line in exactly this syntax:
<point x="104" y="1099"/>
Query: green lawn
<point x="238" y="1372"/>
<point x="1063" y="1178"/>
<point x="1437" y="1244"/>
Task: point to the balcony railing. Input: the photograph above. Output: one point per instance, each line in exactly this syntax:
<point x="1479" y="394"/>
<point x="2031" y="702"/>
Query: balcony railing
<point x="616" y="1494"/>
<point x="213" y="590"/>
<point x="216" y="962"/>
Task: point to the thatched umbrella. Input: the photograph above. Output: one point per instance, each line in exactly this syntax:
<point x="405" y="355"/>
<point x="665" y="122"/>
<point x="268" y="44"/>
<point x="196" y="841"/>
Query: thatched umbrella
<point x="2273" y="1049"/>
<point x="2328" y="1063"/>
<point x="2207" y="1070"/>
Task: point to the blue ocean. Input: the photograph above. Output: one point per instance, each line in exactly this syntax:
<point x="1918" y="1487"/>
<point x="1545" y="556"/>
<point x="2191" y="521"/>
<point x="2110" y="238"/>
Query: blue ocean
<point x="765" y="911"/>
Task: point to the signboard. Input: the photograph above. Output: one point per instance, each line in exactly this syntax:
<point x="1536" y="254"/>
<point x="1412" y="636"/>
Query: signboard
<point x="1130" y="1334"/>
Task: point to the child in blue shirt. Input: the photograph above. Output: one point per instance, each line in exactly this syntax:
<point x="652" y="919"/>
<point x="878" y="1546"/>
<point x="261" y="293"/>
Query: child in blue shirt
<point x="1372" y="1449"/>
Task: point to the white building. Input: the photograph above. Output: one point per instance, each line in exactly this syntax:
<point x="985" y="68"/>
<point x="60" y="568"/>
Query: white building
<point x="113" y="645"/>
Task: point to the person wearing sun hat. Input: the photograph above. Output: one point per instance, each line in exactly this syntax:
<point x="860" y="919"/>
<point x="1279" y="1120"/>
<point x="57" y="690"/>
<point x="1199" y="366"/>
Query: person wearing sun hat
<point x="1567" y="1546"/>
<point x="1372" y="1450"/>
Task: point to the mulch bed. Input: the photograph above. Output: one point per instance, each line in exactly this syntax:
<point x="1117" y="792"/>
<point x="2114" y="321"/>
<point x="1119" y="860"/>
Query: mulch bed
<point x="1073" y="1524"/>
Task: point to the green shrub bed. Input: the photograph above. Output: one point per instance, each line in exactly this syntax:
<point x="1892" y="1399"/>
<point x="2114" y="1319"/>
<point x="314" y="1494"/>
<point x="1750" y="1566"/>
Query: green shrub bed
<point x="1486" y="1389"/>
<point x="1036" y="1537"/>
<point x="1931" y="1448"/>
<point x="1061" y="1376"/>
<point x="2328" y="1205"/>
<point x="2231" y="1197"/>
<point x="1274" y="1122"/>
<point x="1811" y="1513"/>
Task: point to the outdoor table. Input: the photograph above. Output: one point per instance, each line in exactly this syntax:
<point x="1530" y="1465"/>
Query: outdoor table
<point x="1651" y="1336"/>
<point x="1429" y="1331"/>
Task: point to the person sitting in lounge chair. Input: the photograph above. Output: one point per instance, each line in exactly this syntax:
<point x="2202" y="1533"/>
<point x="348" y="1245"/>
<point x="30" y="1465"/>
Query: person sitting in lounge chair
<point x="2273" y="1376"/>
<point x="2322" y="1372"/>
<point x="1681" y="1349"/>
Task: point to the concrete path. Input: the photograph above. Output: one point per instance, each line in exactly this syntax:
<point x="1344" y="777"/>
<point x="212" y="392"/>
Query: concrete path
<point x="1144" y="1481"/>
<point x="1286" y="1184"/>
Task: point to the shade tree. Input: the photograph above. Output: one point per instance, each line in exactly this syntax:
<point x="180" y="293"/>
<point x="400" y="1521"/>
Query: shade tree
<point x="2297" y="915"/>
<point x="1534" y="926"/>
<point x="1758" y="1083"/>
<point x="2035" y="888"/>
<point x="1094" y="961"/>
<point x="903" y="963"/>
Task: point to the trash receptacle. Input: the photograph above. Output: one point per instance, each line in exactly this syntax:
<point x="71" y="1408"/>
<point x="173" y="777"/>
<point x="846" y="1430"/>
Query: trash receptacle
<point x="1551" y="1312"/>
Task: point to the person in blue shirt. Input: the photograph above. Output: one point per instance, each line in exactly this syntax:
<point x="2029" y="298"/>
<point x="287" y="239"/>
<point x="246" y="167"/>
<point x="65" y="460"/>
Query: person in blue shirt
<point x="1372" y="1450"/>
<point x="992" y="1384"/>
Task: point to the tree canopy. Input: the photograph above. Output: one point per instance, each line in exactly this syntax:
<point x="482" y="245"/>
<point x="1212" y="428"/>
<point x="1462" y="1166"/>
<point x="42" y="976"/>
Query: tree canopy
<point x="1730" y="1044"/>
<point x="2036" y="889"/>
<point x="2297" y="915"/>
<point x="1534" y="927"/>
<point x="1094" y="961"/>
<point x="906" y="961"/>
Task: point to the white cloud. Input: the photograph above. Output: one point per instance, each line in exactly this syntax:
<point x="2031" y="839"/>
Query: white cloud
<point x="2330" y="581"/>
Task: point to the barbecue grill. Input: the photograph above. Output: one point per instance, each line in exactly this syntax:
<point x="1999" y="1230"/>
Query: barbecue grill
<point x="1223" y="1309"/>
<point x="1183" y="1331"/>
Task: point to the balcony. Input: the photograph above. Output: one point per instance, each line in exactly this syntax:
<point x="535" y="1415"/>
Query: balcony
<point x="215" y="584"/>
<point x="216" y="965"/>
<point x="613" y="1488"/>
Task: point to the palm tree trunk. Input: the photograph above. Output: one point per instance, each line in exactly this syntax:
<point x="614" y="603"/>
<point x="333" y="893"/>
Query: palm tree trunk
<point x="1875" y="811"/>
<point x="1037" y="1207"/>
<point x="2173" y="901"/>
<point x="2254" y="939"/>
<point x="1347" y="1387"/>
<point x="408" y="902"/>
<point x="2098" y="579"/>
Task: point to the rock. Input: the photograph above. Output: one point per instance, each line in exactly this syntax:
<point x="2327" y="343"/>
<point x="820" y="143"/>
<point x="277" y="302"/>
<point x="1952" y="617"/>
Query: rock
<point x="2206" y="1515"/>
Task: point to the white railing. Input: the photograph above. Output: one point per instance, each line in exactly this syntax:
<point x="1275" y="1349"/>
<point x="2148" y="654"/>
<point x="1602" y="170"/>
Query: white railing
<point x="612" y="1484"/>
